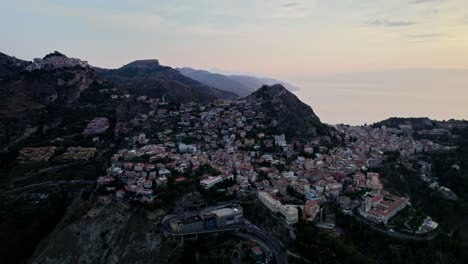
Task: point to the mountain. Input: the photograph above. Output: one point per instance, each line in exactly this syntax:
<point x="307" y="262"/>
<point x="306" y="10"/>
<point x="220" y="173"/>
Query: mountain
<point x="55" y="78"/>
<point x="28" y="88"/>
<point x="242" y="85"/>
<point x="418" y="123"/>
<point x="216" y="80"/>
<point x="255" y="83"/>
<point x="285" y="113"/>
<point x="153" y="79"/>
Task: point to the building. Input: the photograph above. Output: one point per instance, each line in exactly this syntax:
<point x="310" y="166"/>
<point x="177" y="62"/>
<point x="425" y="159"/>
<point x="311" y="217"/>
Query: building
<point x="184" y="148"/>
<point x="187" y="224"/>
<point x="228" y="216"/>
<point x="380" y="208"/>
<point x="36" y="154"/>
<point x="206" y="220"/>
<point x="97" y="126"/>
<point x="211" y="181"/>
<point x="428" y="225"/>
<point x="280" y="140"/>
<point x="164" y="173"/>
<point x="311" y="194"/>
<point x="373" y="182"/>
<point x="222" y="102"/>
<point x="290" y="212"/>
<point x="311" y="209"/>
<point x="257" y="254"/>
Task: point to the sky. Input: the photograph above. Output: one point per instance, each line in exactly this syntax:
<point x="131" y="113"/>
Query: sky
<point x="292" y="40"/>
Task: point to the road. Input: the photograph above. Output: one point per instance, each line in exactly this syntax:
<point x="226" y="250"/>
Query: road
<point x="255" y="234"/>
<point x="47" y="183"/>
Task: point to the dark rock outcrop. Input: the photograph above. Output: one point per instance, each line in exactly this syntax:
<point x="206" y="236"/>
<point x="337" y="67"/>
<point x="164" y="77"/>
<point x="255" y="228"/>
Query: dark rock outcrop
<point x="285" y="113"/>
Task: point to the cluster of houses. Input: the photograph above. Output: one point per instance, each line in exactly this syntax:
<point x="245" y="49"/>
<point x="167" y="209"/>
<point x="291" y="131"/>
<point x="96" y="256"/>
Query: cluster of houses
<point x="96" y="126"/>
<point x="78" y="153"/>
<point x="36" y="154"/>
<point x="56" y="61"/>
<point x="45" y="153"/>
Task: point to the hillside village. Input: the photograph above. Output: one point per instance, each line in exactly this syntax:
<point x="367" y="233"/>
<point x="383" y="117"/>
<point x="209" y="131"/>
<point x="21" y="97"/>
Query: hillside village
<point x="234" y="141"/>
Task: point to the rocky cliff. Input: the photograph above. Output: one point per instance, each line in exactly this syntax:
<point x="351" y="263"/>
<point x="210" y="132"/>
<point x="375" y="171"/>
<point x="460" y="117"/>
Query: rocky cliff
<point x="104" y="234"/>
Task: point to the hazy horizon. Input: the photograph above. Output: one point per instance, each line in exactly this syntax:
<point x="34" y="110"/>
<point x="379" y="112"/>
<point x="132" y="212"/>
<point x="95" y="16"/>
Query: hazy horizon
<point x="368" y="97"/>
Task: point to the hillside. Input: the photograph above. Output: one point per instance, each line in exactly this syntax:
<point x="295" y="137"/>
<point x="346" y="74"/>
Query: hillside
<point x="285" y="113"/>
<point x="28" y="88"/>
<point x="418" y="123"/>
<point x="159" y="80"/>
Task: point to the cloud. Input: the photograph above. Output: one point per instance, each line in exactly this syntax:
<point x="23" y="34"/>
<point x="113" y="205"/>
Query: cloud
<point x="290" y="4"/>
<point x="209" y="30"/>
<point x="134" y="21"/>
<point x="424" y="1"/>
<point x="131" y="20"/>
<point x="391" y="23"/>
<point x="427" y="35"/>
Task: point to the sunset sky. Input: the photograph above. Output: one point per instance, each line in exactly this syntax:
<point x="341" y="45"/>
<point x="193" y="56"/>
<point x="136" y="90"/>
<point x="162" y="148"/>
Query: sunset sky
<point x="290" y="40"/>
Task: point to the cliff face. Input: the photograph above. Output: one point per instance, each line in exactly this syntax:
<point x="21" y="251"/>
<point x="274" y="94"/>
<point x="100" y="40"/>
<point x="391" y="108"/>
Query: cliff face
<point x="27" y="88"/>
<point x="286" y="114"/>
<point x="114" y="235"/>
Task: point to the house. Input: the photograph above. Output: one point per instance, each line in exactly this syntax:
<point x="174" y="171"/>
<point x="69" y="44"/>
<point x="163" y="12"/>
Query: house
<point x="164" y="173"/>
<point x="139" y="167"/>
<point x="147" y="184"/>
<point x="311" y="209"/>
<point x="161" y="181"/>
<point x="280" y="140"/>
<point x="211" y="181"/>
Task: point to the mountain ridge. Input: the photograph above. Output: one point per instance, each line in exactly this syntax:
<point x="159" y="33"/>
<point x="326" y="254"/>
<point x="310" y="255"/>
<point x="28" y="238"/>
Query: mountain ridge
<point x="243" y="85"/>
<point x="286" y="114"/>
<point x="216" y="80"/>
<point x="165" y="80"/>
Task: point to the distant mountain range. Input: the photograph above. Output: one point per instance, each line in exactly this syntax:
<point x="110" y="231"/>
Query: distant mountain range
<point x="242" y="85"/>
<point x="150" y="77"/>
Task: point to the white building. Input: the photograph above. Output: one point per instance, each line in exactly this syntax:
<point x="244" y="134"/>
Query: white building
<point x="280" y="140"/>
<point x="184" y="148"/>
<point x="210" y="182"/>
<point x="290" y="212"/>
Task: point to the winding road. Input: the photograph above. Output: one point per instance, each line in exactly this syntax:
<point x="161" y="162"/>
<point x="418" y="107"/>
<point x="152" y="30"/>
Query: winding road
<point x="47" y="183"/>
